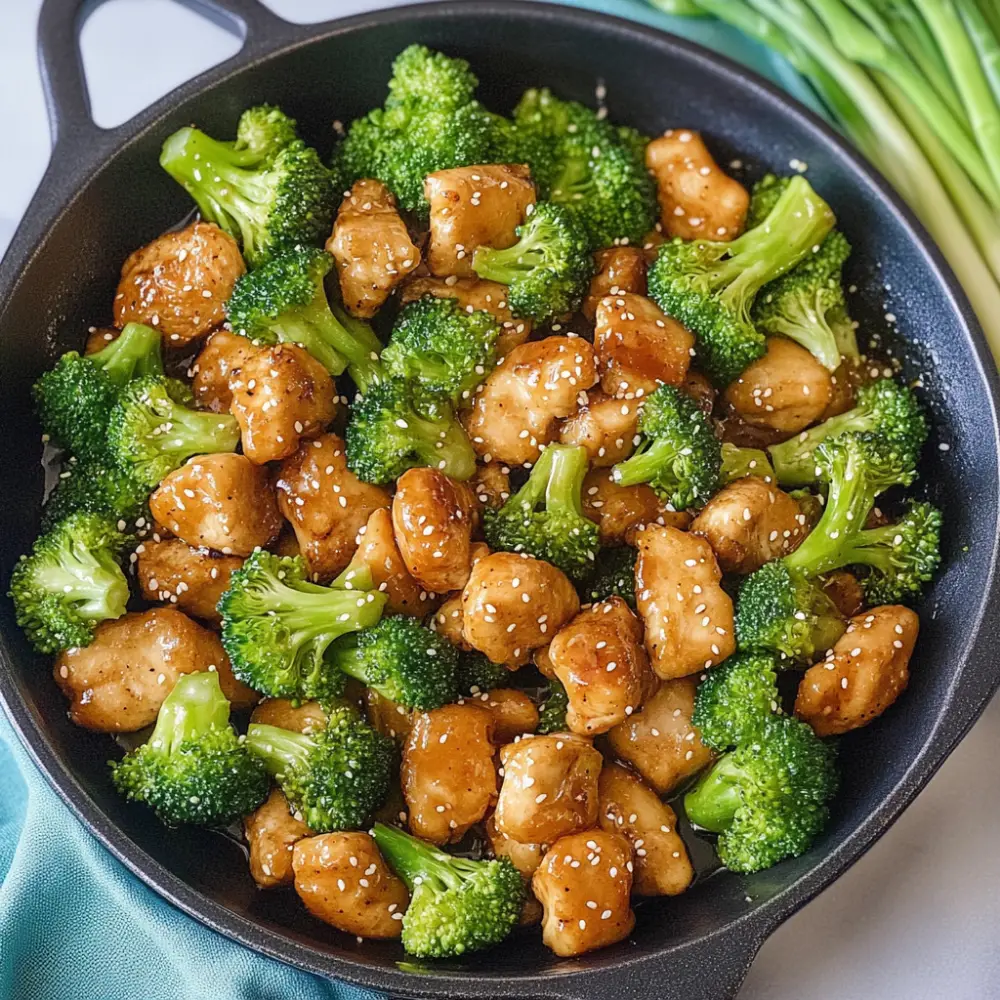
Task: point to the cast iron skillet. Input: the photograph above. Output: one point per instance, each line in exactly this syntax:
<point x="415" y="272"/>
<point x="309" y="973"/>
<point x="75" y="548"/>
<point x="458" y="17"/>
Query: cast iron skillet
<point x="104" y="195"/>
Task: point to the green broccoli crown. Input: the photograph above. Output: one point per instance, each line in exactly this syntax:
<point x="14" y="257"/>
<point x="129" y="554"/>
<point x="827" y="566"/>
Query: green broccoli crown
<point x="476" y="673"/>
<point x="403" y="661"/>
<point x="547" y="269"/>
<point x="680" y="456"/>
<point x="337" y="777"/>
<point x="194" y="769"/>
<point x="764" y="196"/>
<point x="768" y="798"/>
<point x="97" y="487"/>
<point x="277" y="626"/>
<point x="710" y="287"/>
<point x="75" y="398"/>
<point x="393" y="429"/>
<point x="886" y="407"/>
<point x="552" y="711"/>
<point x="70" y="583"/>
<point x="740" y="462"/>
<point x="736" y="699"/>
<point x="613" y="576"/>
<point x="261" y="133"/>
<point x="420" y="74"/>
<point x="456" y="905"/>
<point x="545" y="517"/>
<point x="152" y="431"/>
<point x="285" y="301"/>
<point x="443" y="347"/>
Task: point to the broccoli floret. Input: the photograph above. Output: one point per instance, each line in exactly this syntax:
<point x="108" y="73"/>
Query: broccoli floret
<point x="552" y="710"/>
<point x="546" y="270"/>
<point x="456" y="905"/>
<point x="545" y="516"/>
<point x="277" y="626"/>
<point x="613" y="576"/>
<point x="420" y="74"/>
<point x="285" y="301"/>
<point x="710" y="286"/>
<point x="401" y="660"/>
<point x="70" y="583"/>
<point x="680" y="456"/>
<point x="768" y="798"/>
<point x="268" y="190"/>
<point x="736" y="699"/>
<point x="194" y="769"/>
<point x="476" y="673"/>
<point x="886" y="407"/>
<point x="153" y="431"/>
<point x="336" y="777"/>
<point x="97" y="487"/>
<point x="394" y="428"/>
<point x="75" y="398"/>
<point x="740" y="462"/>
<point x="445" y="349"/>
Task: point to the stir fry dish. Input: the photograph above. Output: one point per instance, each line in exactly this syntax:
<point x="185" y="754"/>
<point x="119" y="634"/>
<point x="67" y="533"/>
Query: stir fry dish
<point x="476" y="517"/>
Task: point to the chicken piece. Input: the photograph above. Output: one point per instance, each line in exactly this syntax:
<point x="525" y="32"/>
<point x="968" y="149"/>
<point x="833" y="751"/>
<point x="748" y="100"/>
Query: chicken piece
<point x="584" y="884"/>
<point x="620" y="511"/>
<point x="864" y="673"/>
<point x="386" y="716"/>
<point x="433" y="518"/>
<point x="344" y="881"/>
<point x="606" y="427"/>
<point x="371" y="246"/>
<point x="639" y="347"/>
<point x="222" y="502"/>
<point x="271" y="833"/>
<point x="180" y="282"/>
<point x="784" y="391"/>
<point x="697" y="200"/>
<point x="192" y="580"/>
<point x="514" y="713"/>
<point x="617" y="270"/>
<point x="748" y="523"/>
<point x="678" y="588"/>
<point x="306" y="717"/>
<point x="524" y="857"/>
<point x="118" y="682"/>
<point x="601" y="662"/>
<point x="447" y="621"/>
<point x="475" y="293"/>
<point x="518" y="407"/>
<point x="326" y="503"/>
<point x="474" y="207"/>
<point x="549" y="788"/>
<point x="659" y="741"/>
<point x="448" y="789"/>
<point x="221" y="359"/>
<point x="281" y="395"/>
<point x="378" y="551"/>
<point x="513" y="604"/>
<point x="844" y="590"/>
<point x="701" y="391"/>
<point x="630" y="807"/>
<point x="491" y="484"/>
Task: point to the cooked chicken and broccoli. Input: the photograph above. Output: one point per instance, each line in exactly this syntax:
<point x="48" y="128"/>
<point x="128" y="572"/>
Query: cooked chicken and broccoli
<point x="514" y="472"/>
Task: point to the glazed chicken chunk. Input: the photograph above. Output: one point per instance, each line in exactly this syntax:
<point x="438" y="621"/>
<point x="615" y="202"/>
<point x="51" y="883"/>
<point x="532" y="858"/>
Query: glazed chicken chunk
<point x="118" y="682"/>
<point x="620" y="512"/>
<point x="513" y="604"/>
<point x="697" y="200"/>
<point x="222" y="502"/>
<point x="303" y="717"/>
<point x="180" y="282"/>
<point x="688" y="616"/>
<point x="371" y="246"/>
<point x="281" y="396"/>
<point x="600" y="660"/>
<point x="659" y="741"/>
<point x="491" y="484"/>
<point x="378" y="551"/>
<point x="639" y="347"/>
<point x="344" y="881"/>
<point x="517" y="409"/>
<point x="524" y="857"/>
<point x="472" y="207"/>
<point x="514" y="713"/>
<point x="326" y="503"/>
<point x="271" y="833"/>
<point x="448" y="790"/>
<point x="584" y="884"/>
<point x="630" y="807"/>
<point x="749" y="523"/>
<point x="617" y="270"/>
<point x="221" y="359"/>
<point x="549" y="788"/>
<point x="605" y="426"/>
<point x="864" y="673"/>
<point x="387" y="716"/>
<point x="448" y="620"/>
<point x="192" y="580"/>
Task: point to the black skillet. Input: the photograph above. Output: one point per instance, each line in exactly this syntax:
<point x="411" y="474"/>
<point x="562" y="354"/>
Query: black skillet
<point x="104" y="195"/>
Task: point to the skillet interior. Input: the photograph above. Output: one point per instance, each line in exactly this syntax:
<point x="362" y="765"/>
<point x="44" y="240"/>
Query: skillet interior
<point x="653" y="81"/>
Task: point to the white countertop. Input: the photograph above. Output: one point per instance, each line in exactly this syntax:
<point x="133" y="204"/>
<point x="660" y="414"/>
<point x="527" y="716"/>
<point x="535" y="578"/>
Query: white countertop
<point x="919" y="916"/>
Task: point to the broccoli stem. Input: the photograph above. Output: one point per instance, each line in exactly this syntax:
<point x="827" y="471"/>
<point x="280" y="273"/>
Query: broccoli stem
<point x="845" y="336"/>
<point x="644" y="465"/>
<point x="412" y="859"/>
<point x="194" y="706"/>
<point x="504" y="266"/>
<point x="281" y="750"/>
<point x="443" y="446"/>
<point x="195" y="432"/>
<point x="134" y="352"/>
<point x="713" y="802"/>
<point x="563" y="491"/>
<point x="93" y="579"/>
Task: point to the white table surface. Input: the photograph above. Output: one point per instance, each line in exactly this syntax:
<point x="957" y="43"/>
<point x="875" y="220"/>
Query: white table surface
<point x="919" y="916"/>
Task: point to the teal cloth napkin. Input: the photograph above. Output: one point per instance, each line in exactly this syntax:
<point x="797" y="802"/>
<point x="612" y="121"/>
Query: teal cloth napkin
<point x="74" y="923"/>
